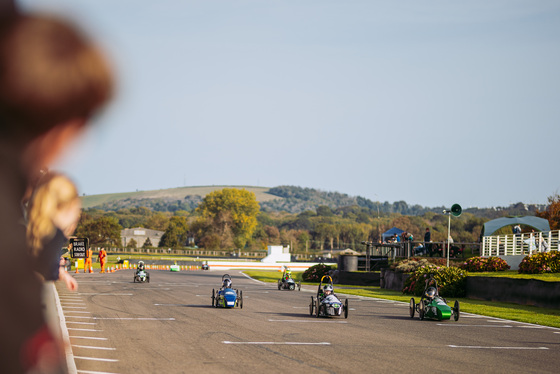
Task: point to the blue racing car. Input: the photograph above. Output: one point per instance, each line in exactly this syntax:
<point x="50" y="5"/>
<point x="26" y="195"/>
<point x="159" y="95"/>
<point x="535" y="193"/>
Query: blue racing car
<point x="226" y="296"/>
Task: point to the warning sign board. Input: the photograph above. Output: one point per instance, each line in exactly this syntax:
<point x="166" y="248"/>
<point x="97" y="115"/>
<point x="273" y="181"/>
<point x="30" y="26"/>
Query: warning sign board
<point x="79" y="247"/>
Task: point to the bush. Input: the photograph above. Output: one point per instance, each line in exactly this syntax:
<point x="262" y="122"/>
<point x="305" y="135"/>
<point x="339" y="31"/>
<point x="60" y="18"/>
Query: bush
<point x="539" y="263"/>
<point x="451" y="281"/>
<point x="410" y="265"/>
<point x="316" y="272"/>
<point x="480" y="264"/>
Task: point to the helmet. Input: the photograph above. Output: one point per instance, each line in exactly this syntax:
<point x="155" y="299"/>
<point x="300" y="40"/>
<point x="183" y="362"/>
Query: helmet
<point x="328" y="288"/>
<point x="431" y="292"/>
<point x="141" y="264"/>
<point x="227" y="283"/>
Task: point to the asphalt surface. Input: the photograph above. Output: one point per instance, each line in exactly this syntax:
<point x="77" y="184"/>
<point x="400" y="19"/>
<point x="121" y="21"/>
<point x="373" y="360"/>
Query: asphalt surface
<point x="169" y="326"/>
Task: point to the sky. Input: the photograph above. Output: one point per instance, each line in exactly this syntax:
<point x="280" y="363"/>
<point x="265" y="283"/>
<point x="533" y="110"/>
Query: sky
<point x="432" y="102"/>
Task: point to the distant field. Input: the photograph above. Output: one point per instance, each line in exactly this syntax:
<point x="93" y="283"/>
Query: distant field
<point x="175" y="193"/>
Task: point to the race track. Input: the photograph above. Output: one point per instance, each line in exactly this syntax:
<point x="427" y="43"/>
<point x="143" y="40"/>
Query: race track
<point x="169" y="326"/>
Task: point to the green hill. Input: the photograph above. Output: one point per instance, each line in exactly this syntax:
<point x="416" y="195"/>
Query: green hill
<point x="165" y="196"/>
<point x="290" y="199"/>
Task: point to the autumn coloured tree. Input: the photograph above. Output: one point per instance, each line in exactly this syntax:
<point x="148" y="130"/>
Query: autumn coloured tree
<point x="232" y="213"/>
<point x="176" y="233"/>
<point x="552" y="212"/>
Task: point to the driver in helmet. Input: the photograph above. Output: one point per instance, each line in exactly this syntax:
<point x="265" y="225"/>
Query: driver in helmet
<point x="431" y="293"/>
<point x="140" y="267"/>
<point x="287" y="274"/>
<point x="226" y="283"/>
<point x="328" y="294"/>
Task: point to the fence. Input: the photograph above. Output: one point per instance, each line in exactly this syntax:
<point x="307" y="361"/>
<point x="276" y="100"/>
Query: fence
<point x="407" y="249"/>
<point x="520" y="244"/>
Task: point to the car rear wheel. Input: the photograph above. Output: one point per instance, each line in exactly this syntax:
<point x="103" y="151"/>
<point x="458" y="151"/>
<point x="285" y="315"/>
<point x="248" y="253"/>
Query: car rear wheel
<point x="346" y="308"/>
<point x="317" y="308"/>
<point x="241" y="299"/>
<point x="299" y="286"/>
<point x="421" y="310"/>
<point x="311" y="306"/>
<point x="213" y="297"/>
<point x="412" y="307"/>
<point x="279" y="285"/>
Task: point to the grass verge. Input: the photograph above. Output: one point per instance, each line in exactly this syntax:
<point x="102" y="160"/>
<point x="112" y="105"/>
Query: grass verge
<point x="514" y="312"/>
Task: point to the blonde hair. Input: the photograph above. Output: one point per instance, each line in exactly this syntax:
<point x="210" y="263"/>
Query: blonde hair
<point x="52" y="193"/>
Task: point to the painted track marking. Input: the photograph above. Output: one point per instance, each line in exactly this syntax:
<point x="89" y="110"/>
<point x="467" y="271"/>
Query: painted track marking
<point x="134" y="319"/>
<point x="276" y="343"/>
<point x="486" y="347"/>
<point x="458" y="325"/>
<point x="304" y="321"/>
<point x="92" y="347"/>
<point x="97" y="359"/>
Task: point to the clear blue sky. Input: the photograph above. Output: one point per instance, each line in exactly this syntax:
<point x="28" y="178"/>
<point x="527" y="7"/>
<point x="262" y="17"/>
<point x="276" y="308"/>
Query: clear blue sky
<point x="430" y="102"/>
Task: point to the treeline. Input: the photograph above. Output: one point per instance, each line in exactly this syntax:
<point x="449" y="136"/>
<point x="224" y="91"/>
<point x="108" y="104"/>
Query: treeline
<point x="320" y="229"/>
<point x="232" y="218"/>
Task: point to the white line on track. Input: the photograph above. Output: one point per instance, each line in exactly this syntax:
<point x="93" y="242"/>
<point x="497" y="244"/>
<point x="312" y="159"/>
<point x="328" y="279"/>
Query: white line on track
<point x="305" y="321"/>
<point x="277" y="343"/>
<point x="483" y="347"/>
<point x="97" y="359"/>
<point x="92" y="347"/>
<point x="136" y="319"/>
<point x="77" y="311"/>
<point x="93" y="372"/>
<point x="458" y="325"/>
<point x="65" y="303"/>
<point x="254" y="280"/>
<point x="107" y="294"/>
<point x="76" y="329"/>
<point x="88" y="337"/>
<point x="74" y="307"/>
<point x="78" y="317"/>
<point x="81" y="323"/>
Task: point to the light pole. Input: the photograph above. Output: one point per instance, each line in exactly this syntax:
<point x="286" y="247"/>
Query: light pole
<point x="456" y="211"/>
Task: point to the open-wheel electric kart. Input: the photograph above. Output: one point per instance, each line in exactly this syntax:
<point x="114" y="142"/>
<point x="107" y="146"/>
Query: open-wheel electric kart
<point x="227" y="296"/>
<point x="432" y="305"/>
<point x="287" y="282"/>
<point x="326" y="303"/>
<point x="141" y="275"/>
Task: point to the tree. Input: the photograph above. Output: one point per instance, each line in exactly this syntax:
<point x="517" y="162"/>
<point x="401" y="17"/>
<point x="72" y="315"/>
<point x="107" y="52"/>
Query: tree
<point x="176" y="233"/>
<point x="103" y="230"/>
<point x="231" y="209"/>
<point x="157" y="221"/>
<point x="131" y="243"/>
<point x="147" y="243"/>
<point x="552" y="212"/>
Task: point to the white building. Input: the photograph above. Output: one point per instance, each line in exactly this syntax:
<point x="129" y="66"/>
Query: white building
<point x="140" y="235"/>
<point x="277" y="253"/>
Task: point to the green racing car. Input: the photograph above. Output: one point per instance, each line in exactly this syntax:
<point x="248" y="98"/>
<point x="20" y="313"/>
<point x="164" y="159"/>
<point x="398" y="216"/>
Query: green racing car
<point x="432" y="305"/>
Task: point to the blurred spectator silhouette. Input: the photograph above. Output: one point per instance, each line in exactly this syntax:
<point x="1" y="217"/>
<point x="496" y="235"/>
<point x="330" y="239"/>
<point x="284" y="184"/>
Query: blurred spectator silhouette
<point x="52" y="80"/>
